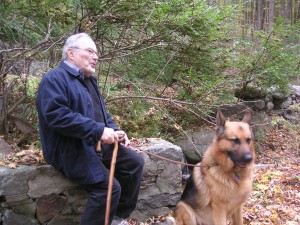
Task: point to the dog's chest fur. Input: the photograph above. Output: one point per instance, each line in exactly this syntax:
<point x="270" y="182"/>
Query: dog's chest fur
<point x="236" y="187"/>
<point x="204" y="186"/>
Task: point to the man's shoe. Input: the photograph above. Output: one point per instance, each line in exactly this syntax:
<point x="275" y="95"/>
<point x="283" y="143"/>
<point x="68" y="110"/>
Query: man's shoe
<point x="119" y="221"/>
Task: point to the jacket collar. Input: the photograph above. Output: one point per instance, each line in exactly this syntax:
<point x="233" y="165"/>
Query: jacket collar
<point x="72" y="69"/>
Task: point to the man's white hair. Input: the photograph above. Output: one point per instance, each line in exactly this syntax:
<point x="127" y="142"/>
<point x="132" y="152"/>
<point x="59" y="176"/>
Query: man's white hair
<point x="73" y="41"/>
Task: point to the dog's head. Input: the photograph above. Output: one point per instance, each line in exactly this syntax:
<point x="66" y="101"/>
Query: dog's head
<point x="235" y="141"/>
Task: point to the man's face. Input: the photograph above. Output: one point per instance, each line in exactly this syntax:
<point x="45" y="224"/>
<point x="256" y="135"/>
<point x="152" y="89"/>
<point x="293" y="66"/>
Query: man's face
<point x="84" y="56"/>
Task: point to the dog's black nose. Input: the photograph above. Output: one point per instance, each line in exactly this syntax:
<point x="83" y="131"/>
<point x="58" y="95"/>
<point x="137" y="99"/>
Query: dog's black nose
<point x="247" y="158"/>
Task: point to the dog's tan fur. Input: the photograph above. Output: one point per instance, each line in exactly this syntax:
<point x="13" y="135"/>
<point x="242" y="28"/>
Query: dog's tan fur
<point x="222" y="184"/>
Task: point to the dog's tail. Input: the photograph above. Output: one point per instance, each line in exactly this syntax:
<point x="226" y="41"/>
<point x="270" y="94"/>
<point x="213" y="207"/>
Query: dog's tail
<point x="170" y="220"/>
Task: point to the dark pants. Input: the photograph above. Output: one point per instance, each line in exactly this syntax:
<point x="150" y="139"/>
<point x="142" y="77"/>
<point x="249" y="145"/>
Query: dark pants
<point x="128" y="177"/>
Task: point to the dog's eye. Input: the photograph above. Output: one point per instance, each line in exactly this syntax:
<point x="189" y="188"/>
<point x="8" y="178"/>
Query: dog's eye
<point x="236" y="141"/>
<point x="248" y="140"/>
<point x="230" y="153"/>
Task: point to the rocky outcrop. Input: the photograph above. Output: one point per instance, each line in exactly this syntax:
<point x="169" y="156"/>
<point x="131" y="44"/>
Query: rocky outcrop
<point x="5" y="148"/>
<point x="196" y="141"/>
<point x="35" y="195"/>
<point x="161" y="186"/>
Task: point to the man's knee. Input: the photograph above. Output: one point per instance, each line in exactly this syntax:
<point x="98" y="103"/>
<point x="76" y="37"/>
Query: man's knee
<point x="116" y="186"/>
<point x="140" y="162"/>
<point x="116" y="189"/>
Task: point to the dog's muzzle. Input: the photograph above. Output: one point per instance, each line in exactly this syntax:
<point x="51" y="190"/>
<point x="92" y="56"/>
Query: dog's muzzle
<point x="240" y="160"/>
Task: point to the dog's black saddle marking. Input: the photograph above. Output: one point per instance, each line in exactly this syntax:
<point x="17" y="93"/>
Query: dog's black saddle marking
<point x="189" y="193"/>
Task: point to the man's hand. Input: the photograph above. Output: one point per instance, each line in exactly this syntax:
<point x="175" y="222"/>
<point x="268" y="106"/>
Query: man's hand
<point x="123" y="138"/>
<point x="108" y="136"/>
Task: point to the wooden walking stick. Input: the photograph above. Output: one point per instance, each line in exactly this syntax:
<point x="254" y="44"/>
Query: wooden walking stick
<point x="111" y="181"/>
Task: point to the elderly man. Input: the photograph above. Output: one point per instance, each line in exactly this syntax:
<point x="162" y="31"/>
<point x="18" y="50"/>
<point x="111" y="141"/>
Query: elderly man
<point x="72" y="119"/>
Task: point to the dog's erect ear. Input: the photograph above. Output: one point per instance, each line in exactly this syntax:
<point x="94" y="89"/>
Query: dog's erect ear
<point x="247" y="117"/>
<point x="220" y="119"/>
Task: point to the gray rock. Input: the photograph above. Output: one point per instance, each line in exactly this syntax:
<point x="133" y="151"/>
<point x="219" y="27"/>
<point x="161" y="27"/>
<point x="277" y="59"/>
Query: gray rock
<point x="5" y="148"/>
<point x="256" y="105"/>
<point x="295" y="90"/>
<point x="46" y="181"/>
<point x="286" y="103"/>
<point x="234" y="109"/>
<point x="278" y="96"/>
<point x="11" y="218"/>
<point x="65" y="220"/>
<point x="270" y="106"/>
<point x="196" y="144"/>
<point x="15" y="181"/>
<point x="76" y="201"/>
<point x="161" y="185"/>
<point x="22" y="206"/>
<point x="144" y="215"/>
<point x="49" y="206"/>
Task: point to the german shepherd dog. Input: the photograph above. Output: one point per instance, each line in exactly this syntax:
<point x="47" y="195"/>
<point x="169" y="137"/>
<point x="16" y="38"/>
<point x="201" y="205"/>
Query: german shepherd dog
<point x="217" y="189"/>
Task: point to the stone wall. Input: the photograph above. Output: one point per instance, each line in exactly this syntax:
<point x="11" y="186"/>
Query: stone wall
<point x="35" y="195"/>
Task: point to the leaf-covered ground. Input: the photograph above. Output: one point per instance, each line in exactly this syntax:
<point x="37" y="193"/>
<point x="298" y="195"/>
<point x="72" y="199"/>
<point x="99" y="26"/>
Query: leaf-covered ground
<point x="276" y="194"/>
<point x="276" y="190"/>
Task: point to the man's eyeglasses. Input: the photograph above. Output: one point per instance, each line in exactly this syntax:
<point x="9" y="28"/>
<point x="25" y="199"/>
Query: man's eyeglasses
<point x="88" y="50"/>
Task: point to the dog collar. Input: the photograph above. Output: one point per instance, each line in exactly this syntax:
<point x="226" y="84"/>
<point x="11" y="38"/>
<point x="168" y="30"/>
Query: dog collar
<point x="236" y="177"/>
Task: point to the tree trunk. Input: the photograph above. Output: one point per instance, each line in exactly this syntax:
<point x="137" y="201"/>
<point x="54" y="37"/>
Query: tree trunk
<point x="282" y="8"/>
<point x="298" y="18"/>
<point x="289" y="10"/>
<point x="259" y="14"/>
<point x="244" y="20"/>
<point x="3" y="115"/>
<point x="271" y="15"/>
<point x="296" y="11"/>
<point x="252" y="10"/>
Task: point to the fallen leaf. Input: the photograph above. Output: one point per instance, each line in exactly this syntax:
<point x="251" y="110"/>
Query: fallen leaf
<point x="12" y="165"/>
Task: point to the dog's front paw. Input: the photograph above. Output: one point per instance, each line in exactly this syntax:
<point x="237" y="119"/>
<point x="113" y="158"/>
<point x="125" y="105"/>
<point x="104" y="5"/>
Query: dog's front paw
<point x="170" y="220"/>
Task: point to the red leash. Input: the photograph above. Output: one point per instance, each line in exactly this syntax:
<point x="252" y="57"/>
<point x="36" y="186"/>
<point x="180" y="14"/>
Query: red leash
<point x="166" y="159"/>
